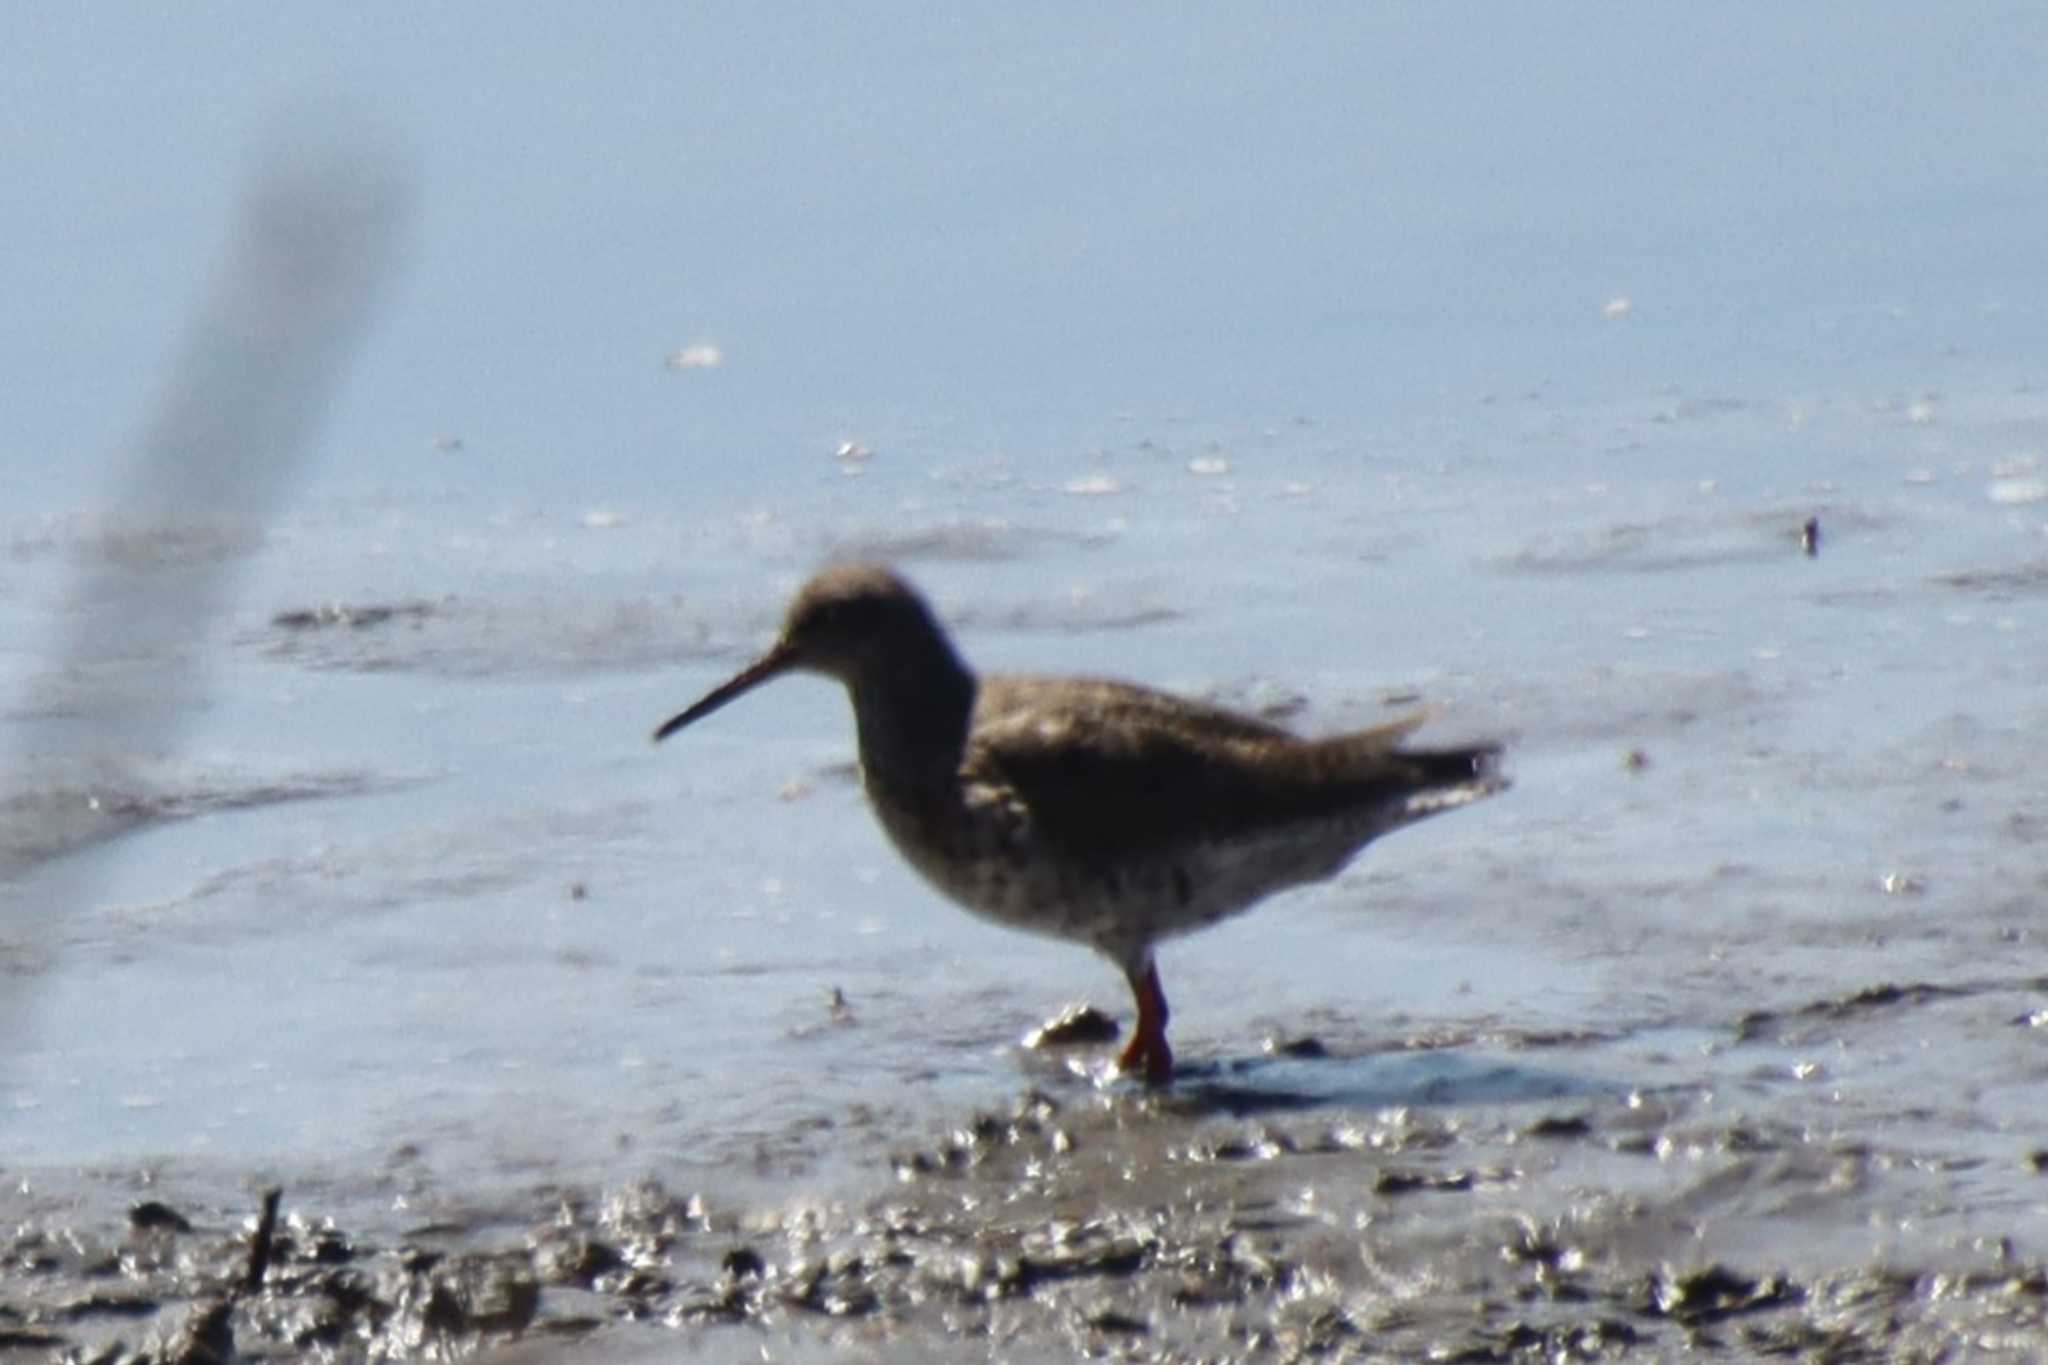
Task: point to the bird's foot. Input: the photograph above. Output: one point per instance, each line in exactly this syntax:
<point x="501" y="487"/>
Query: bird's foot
<point x="1147" y="1056"/>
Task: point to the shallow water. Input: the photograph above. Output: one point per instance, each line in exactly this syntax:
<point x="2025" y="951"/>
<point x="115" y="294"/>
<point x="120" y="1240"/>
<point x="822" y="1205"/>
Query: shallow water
<point x="424" y="861"/>
<point x="419" y="925"/>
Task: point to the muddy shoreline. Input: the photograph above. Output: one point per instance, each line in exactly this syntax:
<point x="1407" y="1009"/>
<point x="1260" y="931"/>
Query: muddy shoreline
<point x="1240" y="1215"/>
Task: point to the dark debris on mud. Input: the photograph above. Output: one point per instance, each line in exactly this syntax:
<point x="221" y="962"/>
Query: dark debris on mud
<point x="333" y="615"/>
<point x="1766" y="1024"/>
<point x="1106" y="1227"/>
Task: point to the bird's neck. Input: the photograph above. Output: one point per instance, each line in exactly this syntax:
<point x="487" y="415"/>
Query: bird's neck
<point x="912" y="712"/>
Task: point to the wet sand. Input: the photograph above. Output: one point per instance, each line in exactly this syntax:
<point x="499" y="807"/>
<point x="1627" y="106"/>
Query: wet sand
<point x="1512" y="1196"/>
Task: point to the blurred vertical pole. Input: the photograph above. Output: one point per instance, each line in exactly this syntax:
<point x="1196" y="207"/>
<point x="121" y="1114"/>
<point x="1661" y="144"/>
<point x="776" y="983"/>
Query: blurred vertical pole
<point x="316" y="236"/>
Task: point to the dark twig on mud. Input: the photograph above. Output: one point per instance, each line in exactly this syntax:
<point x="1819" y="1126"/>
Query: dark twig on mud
<point x="259" y="1244"/>
<point x="208" y="1332"/>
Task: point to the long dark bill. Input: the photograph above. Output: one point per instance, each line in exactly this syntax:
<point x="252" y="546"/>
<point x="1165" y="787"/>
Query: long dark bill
<point x="768" y="667"/>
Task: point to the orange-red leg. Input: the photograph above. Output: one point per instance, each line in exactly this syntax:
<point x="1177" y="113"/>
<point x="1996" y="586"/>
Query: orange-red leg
<point x="1147" y="1053"/>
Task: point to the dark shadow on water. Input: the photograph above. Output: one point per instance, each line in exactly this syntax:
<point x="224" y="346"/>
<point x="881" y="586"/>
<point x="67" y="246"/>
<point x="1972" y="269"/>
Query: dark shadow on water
<point x="1253" y="1086"/>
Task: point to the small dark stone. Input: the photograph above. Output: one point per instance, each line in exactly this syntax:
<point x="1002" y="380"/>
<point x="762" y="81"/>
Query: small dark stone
<point x="328" y="1246"/>
<point x="418" y="1260"/>
<point x="151" y="1215"/>
<point x="564" y="1257"/>
<point x="1307" y="1046"/>
<point x="742" y="1263"/>
<point x="1074" y="1026"/>
<point x="1714" y="1293"/>
<point x="1109" y="1320"/>
<point x="1559" y="1126"/>
<point x="1392" y="1182"/>
<point x="1398" y="1182"/>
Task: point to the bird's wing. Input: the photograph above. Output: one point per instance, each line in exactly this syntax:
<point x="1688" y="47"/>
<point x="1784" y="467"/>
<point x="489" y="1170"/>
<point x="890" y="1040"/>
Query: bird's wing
<point x="1106" y="768"/>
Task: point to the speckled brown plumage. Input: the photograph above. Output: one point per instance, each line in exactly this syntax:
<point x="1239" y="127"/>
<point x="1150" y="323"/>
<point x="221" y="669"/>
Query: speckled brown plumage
<point x="1090" y="809"/>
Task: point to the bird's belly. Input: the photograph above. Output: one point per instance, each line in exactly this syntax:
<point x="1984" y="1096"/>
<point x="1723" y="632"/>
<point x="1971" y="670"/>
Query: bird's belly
<point x="988" y="860"/>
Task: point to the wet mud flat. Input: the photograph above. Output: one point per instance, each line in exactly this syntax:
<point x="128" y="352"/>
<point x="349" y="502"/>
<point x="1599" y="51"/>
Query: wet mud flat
<point x="1735" y="1212"/>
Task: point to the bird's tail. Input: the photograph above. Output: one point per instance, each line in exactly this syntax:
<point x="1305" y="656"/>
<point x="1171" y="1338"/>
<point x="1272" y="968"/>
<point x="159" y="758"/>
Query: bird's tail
<point x="1415" y="782"/>
<point x="1453" y="777"/>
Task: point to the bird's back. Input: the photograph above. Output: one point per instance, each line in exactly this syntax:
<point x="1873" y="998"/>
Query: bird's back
<point x="1115" y="771"/>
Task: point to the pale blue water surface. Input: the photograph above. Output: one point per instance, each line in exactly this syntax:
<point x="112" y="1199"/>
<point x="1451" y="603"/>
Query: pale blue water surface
<point x="1330" y="356"/>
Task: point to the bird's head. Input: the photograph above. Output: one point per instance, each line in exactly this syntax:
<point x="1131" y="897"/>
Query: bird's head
<point x="849" y="622"/>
